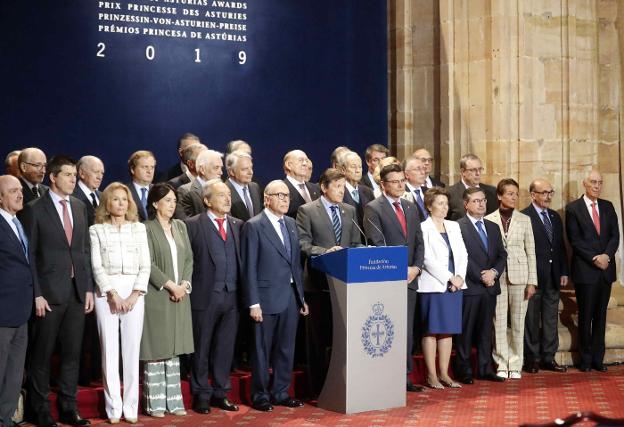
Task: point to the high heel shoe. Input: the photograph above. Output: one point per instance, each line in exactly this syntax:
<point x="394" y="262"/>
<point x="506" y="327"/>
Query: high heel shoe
<point x="434" y="385"/>
<point x="450" y="383"/>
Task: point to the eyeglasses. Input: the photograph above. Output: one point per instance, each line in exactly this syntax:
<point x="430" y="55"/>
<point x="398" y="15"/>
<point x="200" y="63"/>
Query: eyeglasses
<point x="595" y="182"/>
<point x="37" y="166"/>
<point x="281" y="196"/>
<point x="475" y="170"/>
<point x="396" y="181"/>
<point x="418" y="169"/>
<point x="426" y="159"/>
<point x="545" y="192"/>
<point x="478" y="201"/>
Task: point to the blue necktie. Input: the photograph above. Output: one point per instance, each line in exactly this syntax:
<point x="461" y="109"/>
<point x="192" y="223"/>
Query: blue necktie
<point x="144" y="200"/>
<point x="547" y="225"/>
<point x="356" y="196"/>
<point x="421" y="204"/>
<point x="482" y="234"/>
<point x="285" y="236"/>
<point x="336" y="223"/>
<point x="22" y="235"/>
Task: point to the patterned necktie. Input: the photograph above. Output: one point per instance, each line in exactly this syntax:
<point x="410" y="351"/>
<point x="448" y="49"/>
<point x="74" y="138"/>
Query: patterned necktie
<point x="22" y="235"/>
<point x="336" y="224"/>
<point x="221" y="228"/>
<point x="400" y="216"/>
<point x="93" y="200"/>
<point x="547" y="225"/>
<point x="144" y="200"/>
<point x="356" y="196"/>
<point x="285" y="236"/>
<point x="421" y="204"/>
<point x="248" y="202"/>
<point x="35" y="191"/>
<point x="304" y="193"/>
<point x="482" y="234"/>
<point x="595" y="218"/>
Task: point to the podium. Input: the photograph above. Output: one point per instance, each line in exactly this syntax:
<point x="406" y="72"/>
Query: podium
<point x="369" y="308"/>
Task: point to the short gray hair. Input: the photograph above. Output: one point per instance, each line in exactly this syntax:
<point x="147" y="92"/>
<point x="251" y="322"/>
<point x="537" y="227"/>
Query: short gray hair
<point x="231" y="160"/>
<point x="206" y="157"/>
<point x="191" y="152"/>
<point x="208" y="187"/>
<point x="86" y="160"/>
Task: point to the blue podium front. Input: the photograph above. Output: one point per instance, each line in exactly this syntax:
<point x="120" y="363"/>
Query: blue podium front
<point x="369" y="308"/>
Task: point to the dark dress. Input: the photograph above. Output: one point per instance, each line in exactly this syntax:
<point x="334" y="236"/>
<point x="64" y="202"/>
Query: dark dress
<point x="441" y="312"/>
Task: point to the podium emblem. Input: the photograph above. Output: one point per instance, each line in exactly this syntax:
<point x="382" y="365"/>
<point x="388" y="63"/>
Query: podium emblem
<point x="377" y="332"/>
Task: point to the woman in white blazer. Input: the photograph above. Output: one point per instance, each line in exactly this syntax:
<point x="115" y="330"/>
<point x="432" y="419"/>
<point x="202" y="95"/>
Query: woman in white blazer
<point x="440" y="285"/>
<point x="121" y="267"/>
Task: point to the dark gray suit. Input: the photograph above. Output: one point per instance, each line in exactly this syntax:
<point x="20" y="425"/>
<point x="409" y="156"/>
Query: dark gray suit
<point x="239" y="209"/>
<point x="297" y="200"/>
<point x="179" y="180"/>
<point x="456" y="200"/>
<point x="366" y="195"/>
<point x="192" y="203"/>
<point x="28" y="194"/>
<point x="80" y="195"/>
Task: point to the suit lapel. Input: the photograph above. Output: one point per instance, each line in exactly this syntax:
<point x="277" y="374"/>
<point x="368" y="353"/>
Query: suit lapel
<point x="233" y="231"/>
<point x="295" y="195"/>
<point x="602" y="217"/>
<point x="271" y="235"/>
<point x="207" y="227"/>
<point x="412" y="219"/>
<point x="390" y="213"/>
<point x="475" y="235"/>
<point x="589" y="222"/>
<point x="344" y="222"/>
<point x="79" y="225"/>
<point x="52" y="212"/>
<point x="8" y="230"/>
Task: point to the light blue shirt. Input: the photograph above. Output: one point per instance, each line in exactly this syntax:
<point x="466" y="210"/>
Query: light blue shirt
<point x="9" y="218"/>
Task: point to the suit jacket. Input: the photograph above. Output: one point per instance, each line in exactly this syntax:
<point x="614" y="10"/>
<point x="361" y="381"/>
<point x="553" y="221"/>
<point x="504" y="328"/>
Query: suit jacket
<point x="586" y="243"/>
<point x="479" y="258"/>
<point x="366" y="195"/>
<point x="80" y="195"/>
<point x="436" y="182"/>
<point x="179" y="180"/>
<point x="239" y="209"/>
<point x="170" y="173"/>
<point x="383" y="216"/>
<point x="550" y="257"/>
<point x="137" y="200"/>
<point x="436" y="273"/>
<point x="53" y="256"/>
<point x="316" y="235"/>
<point x="28" y="194"/>
<point x="366" y="180"/>
<point x="456" y="200"/>
<point x="192" y="203"/>
<point x="16" y="279"/>
<point x="520" y="247"/>
<point x="204" y="265"/>
<point x="267" y="268"/>
<point x="408" y="195"/>
<point x="297" y="200"/>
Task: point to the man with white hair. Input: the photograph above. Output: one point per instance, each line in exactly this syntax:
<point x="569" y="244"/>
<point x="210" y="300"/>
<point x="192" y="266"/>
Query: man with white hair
<point x="246" y="195"/>
<point x="425" y="157"/>
<point x="189" y="155"/>
<point x="297" y="167"/>
<point x="209" y="165"/>
<point x="90" y="174"/>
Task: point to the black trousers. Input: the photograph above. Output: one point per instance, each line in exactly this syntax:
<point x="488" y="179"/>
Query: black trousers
<point x="541" y="344"/>
<point x="318" y="328"/>
<point x="592" y="300"/>
<point x="477" y="323"/>
<point x="13" y="343"/>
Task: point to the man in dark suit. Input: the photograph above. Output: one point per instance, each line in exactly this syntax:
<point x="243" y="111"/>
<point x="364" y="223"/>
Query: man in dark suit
<point x="373" y="155"/>
<point x="246" y="195"/>
<point x="189" y="155"/>
<point x="16" y="284"/>
<point x="427" y="160"/>
<point x="57" y="228"/>
<point x="209" y="166"/>
<point x="470" y="170"/>
<point x="215" y="240"/>
<point x="179" y="168"/>
<point x="552" y="272"/>
<point x="356" y="195"/>
<point x="593" y="233"/>
<point x="297" y="167"/>
<point x="390" y="220"/>
<point x="325" y="225"/>
<point x="32" y="166"/>
<point x="415" y="175"/>
<point x="273" y="292"/>
<point x="141" y="166"/>
<point x="486" y="261"/>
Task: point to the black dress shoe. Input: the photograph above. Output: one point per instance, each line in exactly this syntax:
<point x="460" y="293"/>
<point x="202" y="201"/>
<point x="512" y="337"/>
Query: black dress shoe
<point x="467" y="380"/>
<point x="600" y="368"/>
<point x="414" y="388"/>
<point x="584" y="368"/>
<point x="290" y="402"/>
<point x="73" y="418"/>
<point x="531" y="367"/>
<point x="553" y="366"/>
<point x="201" y="406"/>
<point x="262" y="406"/>
<point x="223" y="403"/>
<point x="44" y="419"/>
<point x="492" y="377"/>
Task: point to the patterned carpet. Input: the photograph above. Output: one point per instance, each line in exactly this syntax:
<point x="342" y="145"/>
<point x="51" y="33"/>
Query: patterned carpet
<point x="537" y="398"/>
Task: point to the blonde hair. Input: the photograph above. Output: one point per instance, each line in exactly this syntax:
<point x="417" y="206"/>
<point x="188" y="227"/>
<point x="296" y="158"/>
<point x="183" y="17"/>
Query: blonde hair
<point x="102" y="214"/>
<point x="383" y="163"/>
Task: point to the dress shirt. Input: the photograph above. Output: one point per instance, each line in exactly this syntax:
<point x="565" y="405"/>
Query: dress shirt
<point x="56" y="199"/>
<point x="350" y="189"/>
<point x="138" y="187"/>
<point x="413" y="189"/>
<point x="328" y="205"/>
<point x="373" y="183"/>
<point x="588" y="204"/>
<point x="428" y="182"/>
<point x="474" y="223"/>
<point x="239" y="189"/>
<point x="297" y="185"/>
<point x="392" y="201"/>
<point x="9" y="218"/>
<point x="213" y="219"/>
<point x="539" y="211"/>
<point x="87" y="191"/>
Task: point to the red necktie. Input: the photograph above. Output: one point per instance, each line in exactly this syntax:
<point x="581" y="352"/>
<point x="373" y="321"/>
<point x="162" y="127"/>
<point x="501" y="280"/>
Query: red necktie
<point x="221" y="229"/>
<point x="400" y="216"/>
<point x="595" y="218"/>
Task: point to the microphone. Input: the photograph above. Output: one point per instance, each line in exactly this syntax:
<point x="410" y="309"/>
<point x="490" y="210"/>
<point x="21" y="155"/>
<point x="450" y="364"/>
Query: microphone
<point x="360" y="230"/>
<point x="377" y="228"/>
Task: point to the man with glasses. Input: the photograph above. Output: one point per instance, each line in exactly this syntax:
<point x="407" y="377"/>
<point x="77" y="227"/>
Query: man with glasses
<point x="373" y="155"/>
<point x="298" y="168"/>
<point x="356" y="194"/>
<point x="390" y="220"/>
<point x="32" y="166"/>
<point x="592" y="227"/>
<point x="471" y="171"/>
<point x="427" y="160"/>
<point x="552" y="273"/>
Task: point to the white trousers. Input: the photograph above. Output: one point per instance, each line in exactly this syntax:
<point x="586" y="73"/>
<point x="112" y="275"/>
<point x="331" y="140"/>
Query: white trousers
<point x="131" y="326"/>
<point x="511" y="308"/>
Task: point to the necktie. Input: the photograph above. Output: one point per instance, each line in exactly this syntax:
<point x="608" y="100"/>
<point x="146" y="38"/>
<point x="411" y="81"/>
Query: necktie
<point x="304" y="193"/>
<point x="336" y="223"/>
<point x="595" y="218"/>
<point x="35" y="191"/>
<point x="144" y="200"/>
<point x="93" y="200"/>
<point x="356" y="196"/>
<point x="221" y="228"/>
<point x="400" y="216"/>
<point x="67" y="225"/>
<point x="482" y="234"/>
<point x="248" y="202"/>
<point x="285" y="236"/>
<point x="22" y="235"/>
<point x="421" y="204"/>
<point x="547" y="225"/>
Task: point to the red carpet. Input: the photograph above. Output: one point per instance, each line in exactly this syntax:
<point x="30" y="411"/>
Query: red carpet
<point x="537" y="398"/>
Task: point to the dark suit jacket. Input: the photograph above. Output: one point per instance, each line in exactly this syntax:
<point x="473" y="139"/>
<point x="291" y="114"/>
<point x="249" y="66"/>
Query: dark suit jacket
<point x="586" y="243"/>
<point x="436" y="182"/>
<point x="16" y="279"/>
<point x="239" y="209"/>
<point x="550" y="257"/>
<point x="366" y="195"/>
<point x="366" y="180"/>
<point x="27" y="193"/>
<point x="479" y="259"/>
<point x="268" y="270"/>
<point x="382" y="214"/>
<point x="204" y="266"/>
<point x="316" y="235"/>
<point x="170" y="173"/>
<point x="192" y="203"/>
<point x="137" y="200"/>
<point x="53" y="256"/>
<point x="456" y="201"/>
<point x="179" y="180"/>
<point x="296" y="199"/>
<point x="80" y="195"/>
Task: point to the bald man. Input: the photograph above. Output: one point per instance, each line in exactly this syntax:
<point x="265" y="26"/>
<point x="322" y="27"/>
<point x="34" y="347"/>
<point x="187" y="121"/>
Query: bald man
<point x="427" y="160"/>
<point x="10" y="163"/>
<point x="297" y="167"/>
<point x="90" y="174"/>
<point x="32" y="165"/>
<point x="592" y="227"/>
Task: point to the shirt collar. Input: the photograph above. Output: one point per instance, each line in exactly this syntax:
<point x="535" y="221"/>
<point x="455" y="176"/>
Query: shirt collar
<point x="391" y="200"/>
<point x="7" y="215"/>
<point x="56" y="198"/>
<point x="466" y="185"/>
<point x="328" y="205"/>
<point x="236" y="185"/>
<point x="589" y="201"/>
<point x="86" y="190"/>
<point x="350" y="188"/>
<point x="212" y="216"/>
<point x="294" y="182"/>
<point x="272" y="217"/>
<point x="474" y="220"/>
<point x="538" y="209"/>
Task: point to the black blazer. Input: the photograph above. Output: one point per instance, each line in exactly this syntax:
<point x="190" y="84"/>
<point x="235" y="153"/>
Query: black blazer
<point x="436" y="182"/>
<point x="550" y="257"/>
<point x="16" y="279"/>
<point x="137" y="200"/>
<point x="204" y="267"/>
<point x="296" y="199"/>
<point x="179" y="180"/>
<point x="366" y="180"/>
<point x="456" y="200"/>
<point x="382" y="214"/>
<point x="479" y="259"/>
<point x="366" y="195"/>
<point x="172" y="172"/>
<point x="53" y="256"/>
<point x="80" y="195"/>
<point x="586" y="243"/>
<point x="28" y="194"/>
<point x="239" y="209"/>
